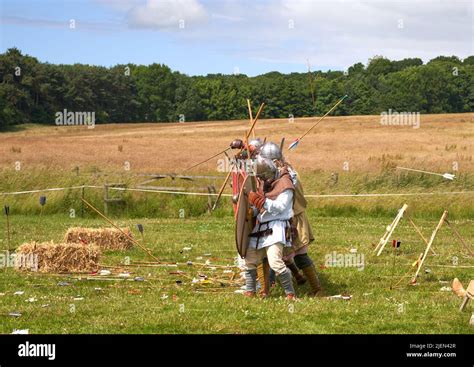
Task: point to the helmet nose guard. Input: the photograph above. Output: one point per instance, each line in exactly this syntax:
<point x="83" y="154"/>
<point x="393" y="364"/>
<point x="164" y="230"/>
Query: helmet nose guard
<point x="264" y="169"/>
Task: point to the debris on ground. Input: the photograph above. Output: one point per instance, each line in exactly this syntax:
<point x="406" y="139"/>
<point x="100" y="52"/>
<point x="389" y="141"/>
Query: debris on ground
<point x="21" y="331"/>
<point x="345" y="297"/>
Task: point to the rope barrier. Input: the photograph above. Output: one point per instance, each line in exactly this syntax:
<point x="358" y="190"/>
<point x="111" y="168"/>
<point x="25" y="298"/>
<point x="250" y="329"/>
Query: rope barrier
<point x="229" y="195"/>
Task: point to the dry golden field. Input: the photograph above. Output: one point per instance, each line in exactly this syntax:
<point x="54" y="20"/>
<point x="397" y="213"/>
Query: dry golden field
<point x="360" y="140"/>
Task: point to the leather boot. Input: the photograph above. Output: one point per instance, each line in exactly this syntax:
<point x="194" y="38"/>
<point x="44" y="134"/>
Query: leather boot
<point x="263" y="275"/>
<point x="313" y="279"/>
<point x="300" y="278"/>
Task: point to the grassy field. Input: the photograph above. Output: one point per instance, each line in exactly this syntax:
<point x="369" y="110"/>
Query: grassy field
<point x="160" y="305"/>
<point x="69" y="156"/>
<point x="361" y="141"/>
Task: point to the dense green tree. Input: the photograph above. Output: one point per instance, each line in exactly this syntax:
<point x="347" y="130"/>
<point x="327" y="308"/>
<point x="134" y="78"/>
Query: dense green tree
<point x="31" y="91"/>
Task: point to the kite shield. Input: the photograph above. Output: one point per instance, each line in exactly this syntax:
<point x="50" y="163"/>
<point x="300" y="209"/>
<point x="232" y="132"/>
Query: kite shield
<point x="244" y="220"/>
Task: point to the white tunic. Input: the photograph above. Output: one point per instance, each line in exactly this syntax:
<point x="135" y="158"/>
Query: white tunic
<point x="276" y="215"/>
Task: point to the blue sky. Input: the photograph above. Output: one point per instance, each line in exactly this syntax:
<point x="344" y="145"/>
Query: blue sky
<point x="226" y="36"/>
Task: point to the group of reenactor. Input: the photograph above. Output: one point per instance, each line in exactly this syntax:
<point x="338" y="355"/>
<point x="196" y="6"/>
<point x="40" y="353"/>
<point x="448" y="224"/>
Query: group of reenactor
<point x="279" y="241"/>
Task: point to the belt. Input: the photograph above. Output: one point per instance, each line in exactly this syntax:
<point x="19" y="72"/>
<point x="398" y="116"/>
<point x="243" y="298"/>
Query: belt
<point x="264" y="233"/>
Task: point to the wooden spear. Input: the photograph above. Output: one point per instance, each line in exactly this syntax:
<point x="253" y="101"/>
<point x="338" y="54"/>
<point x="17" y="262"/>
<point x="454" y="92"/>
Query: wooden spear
<point x="120" y="229"/>
<point x="208" y="159"/>
<point x="295" y="143"/>
<point x="221" y="190"/>
<point x="250" y="116"/>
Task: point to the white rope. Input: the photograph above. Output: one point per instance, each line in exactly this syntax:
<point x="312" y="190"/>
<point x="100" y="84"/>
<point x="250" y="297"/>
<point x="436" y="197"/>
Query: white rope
<point x="229" y="195"/>
<point x="165" y="191"/>
<point x="391" y="194"/>
<point x="42" y="190"/>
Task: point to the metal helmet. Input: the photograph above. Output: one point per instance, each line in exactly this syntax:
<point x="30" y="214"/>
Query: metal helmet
<point x="264" y="168"/>
<point x="271" y="151"/>
<point x="256" y="143"/>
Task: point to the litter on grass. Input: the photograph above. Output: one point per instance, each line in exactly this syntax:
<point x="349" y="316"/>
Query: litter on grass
<point x="21" y="331"/>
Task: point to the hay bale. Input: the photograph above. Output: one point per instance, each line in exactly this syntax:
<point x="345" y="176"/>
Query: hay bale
<point x="105" y="238"/>
<point x="48" y="257"/>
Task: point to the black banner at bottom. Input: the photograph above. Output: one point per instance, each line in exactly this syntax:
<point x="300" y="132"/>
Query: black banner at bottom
<point x="450" y="350"/>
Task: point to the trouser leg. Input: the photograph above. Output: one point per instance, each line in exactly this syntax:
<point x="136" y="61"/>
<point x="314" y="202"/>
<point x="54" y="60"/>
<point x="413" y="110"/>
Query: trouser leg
<point x="275" y="259"/>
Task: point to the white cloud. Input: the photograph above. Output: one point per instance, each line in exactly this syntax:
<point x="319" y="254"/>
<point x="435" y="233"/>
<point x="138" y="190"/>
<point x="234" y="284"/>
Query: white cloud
<point x="337" y="34"/>
<point x="166" y="14"/>
<point x="350" y="31"/>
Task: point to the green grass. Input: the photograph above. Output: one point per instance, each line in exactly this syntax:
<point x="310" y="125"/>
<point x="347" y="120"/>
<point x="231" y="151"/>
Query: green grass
<point x="141" y="307"/>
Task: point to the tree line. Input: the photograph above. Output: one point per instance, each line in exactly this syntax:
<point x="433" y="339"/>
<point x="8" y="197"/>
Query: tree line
<point x="32" y="91"/>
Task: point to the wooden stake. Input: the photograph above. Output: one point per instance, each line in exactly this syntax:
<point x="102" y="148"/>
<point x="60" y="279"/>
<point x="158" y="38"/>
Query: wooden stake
<point x="7" y="213"/>
<point x="120" y="229"/>
<point x="83" y="196"/>
<point x="383" y="241"/>
<point x="433" y="235"/>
